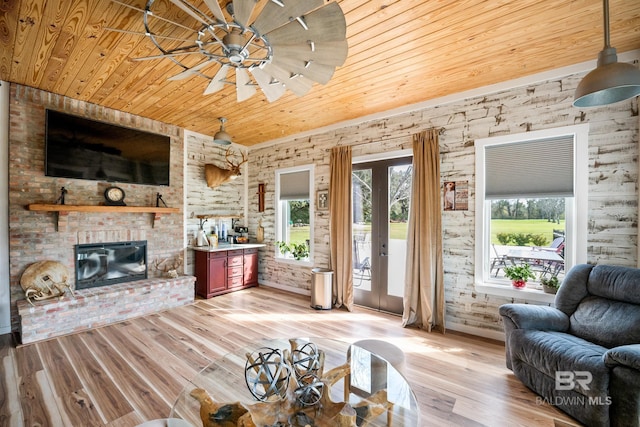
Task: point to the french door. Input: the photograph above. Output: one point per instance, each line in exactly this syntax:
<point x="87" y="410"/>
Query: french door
<point x="381" y="199"/>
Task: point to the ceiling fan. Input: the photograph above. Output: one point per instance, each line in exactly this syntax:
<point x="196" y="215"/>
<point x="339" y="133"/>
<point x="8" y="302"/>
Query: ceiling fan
<point x="272" y="44"/>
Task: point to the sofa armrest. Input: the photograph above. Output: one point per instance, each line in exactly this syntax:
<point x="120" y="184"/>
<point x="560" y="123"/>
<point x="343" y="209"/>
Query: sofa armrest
<point x="625" y="355"/>
<point x="624" y="384"/>
<point x="538" y="317"/>
<point x="525" y="316"/>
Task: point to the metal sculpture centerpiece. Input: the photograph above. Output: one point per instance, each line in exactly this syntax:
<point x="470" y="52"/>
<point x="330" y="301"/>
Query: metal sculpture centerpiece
<point x="268" y="373"/>
<point x="274" y="44"/>
<point x="291" y="389"/>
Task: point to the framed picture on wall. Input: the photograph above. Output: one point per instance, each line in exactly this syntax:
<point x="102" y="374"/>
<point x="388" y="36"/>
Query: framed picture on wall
<point x="455" y="195"/>
<point x="323" y="200"/>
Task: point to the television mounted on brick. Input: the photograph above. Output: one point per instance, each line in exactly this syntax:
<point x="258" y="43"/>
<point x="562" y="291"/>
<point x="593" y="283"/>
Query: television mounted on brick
<point x="76" y="147"/>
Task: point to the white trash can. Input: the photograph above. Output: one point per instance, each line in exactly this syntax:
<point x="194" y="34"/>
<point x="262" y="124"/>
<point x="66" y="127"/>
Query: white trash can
<point x="321" y="287"/>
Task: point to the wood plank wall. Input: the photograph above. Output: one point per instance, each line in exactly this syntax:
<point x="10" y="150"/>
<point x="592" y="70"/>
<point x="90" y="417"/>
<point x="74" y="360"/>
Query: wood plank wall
<point x="613" y="177"/>
<point x="227" y="199"/>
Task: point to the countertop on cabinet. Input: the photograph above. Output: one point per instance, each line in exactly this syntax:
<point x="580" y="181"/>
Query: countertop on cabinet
<point x="227" y="247"/>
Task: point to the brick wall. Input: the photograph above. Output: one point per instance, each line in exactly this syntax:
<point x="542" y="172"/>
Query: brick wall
<point x="33" y="235"/>
<point x="92" y="308"/>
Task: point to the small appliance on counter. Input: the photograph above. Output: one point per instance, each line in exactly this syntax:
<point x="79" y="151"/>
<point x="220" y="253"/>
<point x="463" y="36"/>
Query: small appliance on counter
<point x="242" y="234"/>
<point x="201" y="239"/>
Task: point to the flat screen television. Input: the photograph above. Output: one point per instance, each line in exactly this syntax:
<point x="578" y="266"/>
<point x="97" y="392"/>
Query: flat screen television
<point x="87" y="149"/>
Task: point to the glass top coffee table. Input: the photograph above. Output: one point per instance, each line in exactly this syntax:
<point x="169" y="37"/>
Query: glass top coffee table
<point x="298" y="382"/>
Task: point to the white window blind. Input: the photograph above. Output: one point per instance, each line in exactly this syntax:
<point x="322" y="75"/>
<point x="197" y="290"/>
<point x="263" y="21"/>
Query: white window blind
<point x="536" y="168"/>
<point x="294" y="185"/>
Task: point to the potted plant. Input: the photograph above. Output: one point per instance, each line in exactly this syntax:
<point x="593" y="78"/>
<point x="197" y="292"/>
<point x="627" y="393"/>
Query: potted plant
<point x="299" y="251"/>
<point x="550" y="284"/>
<point x="519" y="274"/>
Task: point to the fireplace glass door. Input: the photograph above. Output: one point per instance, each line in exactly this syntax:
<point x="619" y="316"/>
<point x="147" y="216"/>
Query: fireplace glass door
<point x="109" y="263"/>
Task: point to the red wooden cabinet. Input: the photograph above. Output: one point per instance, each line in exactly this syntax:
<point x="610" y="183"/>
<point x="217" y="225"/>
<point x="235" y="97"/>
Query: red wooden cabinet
<point x="211" y="277"/>
<point x="250" y="273"/>
<point x="225" y="271"/>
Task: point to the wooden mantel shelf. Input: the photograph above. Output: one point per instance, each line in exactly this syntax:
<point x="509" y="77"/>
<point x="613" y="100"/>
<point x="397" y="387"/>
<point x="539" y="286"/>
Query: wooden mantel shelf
<point x="64" y="210"/>
<point x="43" y="207"/>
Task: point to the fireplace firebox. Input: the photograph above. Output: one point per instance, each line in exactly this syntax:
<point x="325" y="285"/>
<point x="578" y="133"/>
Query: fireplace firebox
<point x="105" y="264"/>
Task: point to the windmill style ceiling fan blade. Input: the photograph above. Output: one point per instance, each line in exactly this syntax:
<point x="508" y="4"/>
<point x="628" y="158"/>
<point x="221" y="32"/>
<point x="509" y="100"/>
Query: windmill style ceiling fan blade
<point x="319" y="73"/>
<point x="218" y="81"/>
<point x="193" y="12"/>
<point x="242" y="10"/>
<point x="272" y="44"/>
<point x="324" y="24"/>
<point x="329" y="53"/>
<point x="295" y="83"/>
<point x="191" y="71"/>
<point x="276" y="14"/>
<point x="145" y="34"/>
<point x="271" y="87"/>
<point x="215" y="8"/>
<point x="244" y="87"/>
<point x="164" y="55"/>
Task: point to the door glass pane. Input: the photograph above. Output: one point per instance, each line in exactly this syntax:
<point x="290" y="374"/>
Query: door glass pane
<point x="399" y="200"/>
<point x="362" y="229"/>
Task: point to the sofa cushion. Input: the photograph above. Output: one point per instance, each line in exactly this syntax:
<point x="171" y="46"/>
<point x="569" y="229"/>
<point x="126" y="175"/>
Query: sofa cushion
<point x="615" y="283"/>
<point x="552" y="352"/>
<point x="573" y="289"/>
<point x="606" y="322"/>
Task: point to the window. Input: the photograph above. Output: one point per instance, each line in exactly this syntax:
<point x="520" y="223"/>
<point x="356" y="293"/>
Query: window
<point x="531" y="206"/>
<point x="294" y="214"/>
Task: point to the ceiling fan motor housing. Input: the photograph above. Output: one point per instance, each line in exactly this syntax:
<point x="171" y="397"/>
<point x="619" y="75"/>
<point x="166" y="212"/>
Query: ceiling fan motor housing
<point x="233" y="46"/>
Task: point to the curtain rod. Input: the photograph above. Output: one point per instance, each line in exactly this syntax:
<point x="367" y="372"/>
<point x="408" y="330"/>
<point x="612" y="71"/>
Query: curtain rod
<point x="356" y="144"/>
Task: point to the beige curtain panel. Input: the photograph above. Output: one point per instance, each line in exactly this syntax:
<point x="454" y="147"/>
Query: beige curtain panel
<point x="340" y="226"/>
<point x="424" y="289"/>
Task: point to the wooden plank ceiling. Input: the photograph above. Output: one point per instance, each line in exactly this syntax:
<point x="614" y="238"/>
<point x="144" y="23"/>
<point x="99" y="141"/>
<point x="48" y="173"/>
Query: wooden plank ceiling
<point x="400" y="52"/>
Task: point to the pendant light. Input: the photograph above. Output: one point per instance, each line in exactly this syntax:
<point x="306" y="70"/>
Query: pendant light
<point x="611" y="81"/>
<point x="221" y="137"/>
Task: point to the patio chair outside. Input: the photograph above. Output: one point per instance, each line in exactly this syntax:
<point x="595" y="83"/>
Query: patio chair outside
<point x="361" y="266"/>
<point x="554" y="267"/>
<point x="497" y="261"/>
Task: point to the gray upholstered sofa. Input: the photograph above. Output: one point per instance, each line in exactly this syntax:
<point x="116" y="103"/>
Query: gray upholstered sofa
<point x="583" y="355"/>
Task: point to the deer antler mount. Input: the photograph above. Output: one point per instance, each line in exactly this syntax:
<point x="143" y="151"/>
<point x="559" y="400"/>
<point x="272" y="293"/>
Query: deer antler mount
<point x="216" y="176"/>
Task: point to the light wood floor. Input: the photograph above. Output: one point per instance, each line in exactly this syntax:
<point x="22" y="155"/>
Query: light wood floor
<point x="125" y="374"/>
